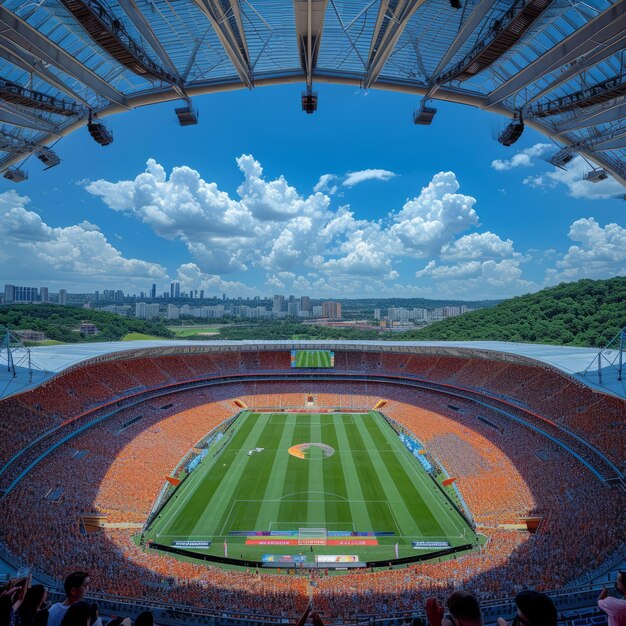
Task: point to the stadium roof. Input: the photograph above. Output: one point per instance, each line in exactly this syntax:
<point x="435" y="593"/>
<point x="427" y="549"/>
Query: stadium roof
<point x="47" y="361"/>
<point x="561" y="63"/>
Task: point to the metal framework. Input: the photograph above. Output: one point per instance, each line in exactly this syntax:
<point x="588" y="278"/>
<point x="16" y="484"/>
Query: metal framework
<point x="559" y="62"/>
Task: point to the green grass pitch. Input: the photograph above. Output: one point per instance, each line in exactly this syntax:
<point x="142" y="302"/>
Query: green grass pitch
<point x="371" y="483"/>
<point x="313" y="358"/>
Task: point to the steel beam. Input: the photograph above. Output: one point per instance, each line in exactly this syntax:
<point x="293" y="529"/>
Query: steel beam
<point x="10" y="114"/>
<point x="467" y="28"/>
<point x="617" y="142"/>
<point x="393" y="16"/>
<point x="32" y="65"/>
<point x="595" y="34"/>
<point x="580" y="65"/>
<point x="15" y="30"/>
<point x="309" y="16"/>
<point x="145" y="30"/>
<point x="231" y="35"/>
<point x="613" y="112"/>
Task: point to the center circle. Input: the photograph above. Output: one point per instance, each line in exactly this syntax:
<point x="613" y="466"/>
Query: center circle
<point x="311" y="451"/>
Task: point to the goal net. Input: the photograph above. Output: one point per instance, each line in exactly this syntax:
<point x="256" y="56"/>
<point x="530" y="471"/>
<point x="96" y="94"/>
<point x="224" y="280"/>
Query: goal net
<point x="312" y="536"/>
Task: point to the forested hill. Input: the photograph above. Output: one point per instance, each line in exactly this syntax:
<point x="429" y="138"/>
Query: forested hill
<point x="584" y="313"/>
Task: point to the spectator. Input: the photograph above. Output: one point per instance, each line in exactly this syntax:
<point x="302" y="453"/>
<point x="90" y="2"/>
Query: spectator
<point x="615" y="608"/>
<point x="533" y="609"/>
<point x="145" y="619"/>
<point x="463" y="607"/>
<point x="77" y="614"/>
<point x="33" y="611"/>
<point x="11" y="598"/>
<point x="75" y="586"/>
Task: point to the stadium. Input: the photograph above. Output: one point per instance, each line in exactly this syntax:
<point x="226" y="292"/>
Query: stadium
<point x="225" y="482"/>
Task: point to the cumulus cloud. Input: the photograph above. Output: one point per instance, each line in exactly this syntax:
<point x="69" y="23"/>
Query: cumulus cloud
<point x="191" y="277"/>
<point x="523" y="158"/>
<point x="600" y="252"/>
<point x="478" y="246"/>
<point x="75" y="254"/>
<point x="326" y="184"/>
<point x="432" y="219"/>
<point x="300" y="241"/>
<point x="355" y="178"/>
<point x="573" y="179"/>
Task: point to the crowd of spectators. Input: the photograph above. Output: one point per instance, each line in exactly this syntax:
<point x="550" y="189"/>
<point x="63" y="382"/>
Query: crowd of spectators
<point x="503" y="474"/>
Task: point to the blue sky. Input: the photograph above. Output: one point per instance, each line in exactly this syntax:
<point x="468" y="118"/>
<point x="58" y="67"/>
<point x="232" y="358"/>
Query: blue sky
<point x="351" y="201"/>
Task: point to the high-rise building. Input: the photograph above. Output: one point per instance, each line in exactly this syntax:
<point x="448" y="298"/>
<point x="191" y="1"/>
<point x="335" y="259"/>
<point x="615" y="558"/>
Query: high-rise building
<point x="153" y="291"/>
<point x="331" y="309"/>
<point x="177" y="289"/>
<point x="305" y="303"/>
<point x="9" y="293"/>
<point x="292" y="308"/>
<point x="62" y="296"/>
<point x="201" y="294"/>
<point x="43" y="294"/>
<point x="119" y="296"/>
<point x="376" y="314"/>
<point x="278" y="304"/>
<point x="173" y="312"/>
<point x="145" y="311"/>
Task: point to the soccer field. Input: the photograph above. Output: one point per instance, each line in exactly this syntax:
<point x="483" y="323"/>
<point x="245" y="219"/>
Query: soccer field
<point x="346" y="473"/>
<point x="313" y="358"/>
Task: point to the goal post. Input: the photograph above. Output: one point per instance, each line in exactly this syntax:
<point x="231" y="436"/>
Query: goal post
<point x="312" y="536"/>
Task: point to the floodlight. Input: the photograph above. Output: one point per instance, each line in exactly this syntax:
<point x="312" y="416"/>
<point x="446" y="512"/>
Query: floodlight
<point x="424" y="115"/>
<point x="187" y="116"/>
<point x="16" y="175"/>
<point x="562" y="158"/>
<point x="100" y="133"/>
<point x="512" y="132"/>
<point x="48" y="157"/>
<point x="309" y="102"/>
<point x="595" y="176"/>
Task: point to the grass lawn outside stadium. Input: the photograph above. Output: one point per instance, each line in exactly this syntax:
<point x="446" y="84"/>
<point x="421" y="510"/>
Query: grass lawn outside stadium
<point x="362" y="479"/>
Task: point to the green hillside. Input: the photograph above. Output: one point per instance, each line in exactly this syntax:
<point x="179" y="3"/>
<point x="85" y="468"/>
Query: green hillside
<point x="60" y="323"/>
<point x="584" y="313"/>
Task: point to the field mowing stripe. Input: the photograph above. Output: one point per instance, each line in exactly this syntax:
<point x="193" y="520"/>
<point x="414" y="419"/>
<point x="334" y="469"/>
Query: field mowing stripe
<point x="358" y="508"/>
<point x="274" y="490"/>
<point x="316" y="510"/>
<point x="188" y="489"/>
<point x="450" y="522"/>
<point x="405" y="512"/>
<point x="222" y="499"/>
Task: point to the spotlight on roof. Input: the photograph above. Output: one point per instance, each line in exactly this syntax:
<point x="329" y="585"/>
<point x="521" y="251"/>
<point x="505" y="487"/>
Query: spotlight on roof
<point x="16" y="175"/>
<point x="48" y="157"/>
<point x="561" y="158"/>
<point x="424" y="115"/>
<point x="595" y="176"/>
<point x="100" y="133"/>
<point x="309" y="101"/>
<point x="455" y="4"/>
<point x="187" y="115"/>
<point x="513" y="131"/>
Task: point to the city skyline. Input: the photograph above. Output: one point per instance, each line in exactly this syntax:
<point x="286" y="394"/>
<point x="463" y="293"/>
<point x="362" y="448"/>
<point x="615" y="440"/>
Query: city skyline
<point x="436" y="212"/>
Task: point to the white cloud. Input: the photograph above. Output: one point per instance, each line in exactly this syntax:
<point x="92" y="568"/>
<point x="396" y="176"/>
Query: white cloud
<point x="432" y="219"/>
<point x="478" y="246"/>
<point x="523" y="158"/>
<point x="600" y="253"/>
<point x="355" y="178"/>
<point x="325" y="184"/>
<point x="191" y="277"/>
<point x="77" y="254"/>
<point x="302" y="243"/>
<point x="577" y="187"/>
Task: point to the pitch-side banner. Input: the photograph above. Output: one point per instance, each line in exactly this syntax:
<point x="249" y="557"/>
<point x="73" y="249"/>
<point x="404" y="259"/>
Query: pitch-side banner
<point x="337" y="558"/>
<point x="192" y="544"/>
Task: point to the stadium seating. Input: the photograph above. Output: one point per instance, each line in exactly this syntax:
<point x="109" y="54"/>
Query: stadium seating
<point x="504" y="472"/>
